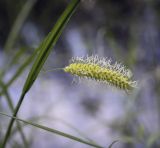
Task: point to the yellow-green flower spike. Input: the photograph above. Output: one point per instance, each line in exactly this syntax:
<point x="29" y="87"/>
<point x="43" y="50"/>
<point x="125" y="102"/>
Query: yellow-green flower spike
<point x="101" y="69"/>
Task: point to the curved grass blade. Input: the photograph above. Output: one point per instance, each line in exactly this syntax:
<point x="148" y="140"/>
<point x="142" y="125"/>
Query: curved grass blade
<point x="49" y="42"/>
<point x="18" y="24"/>
<point x="113" y="143"/>
<point x="44" y="51"/>
<point x="14" y="60"/>
<point x="21" y="69"/>
<point x="10" y="104"/>
<point x="54" y="131"/>
<point x="37" y="118"/>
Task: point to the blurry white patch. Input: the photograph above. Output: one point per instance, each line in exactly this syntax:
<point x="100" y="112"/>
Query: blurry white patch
<point x="75" y="40"/>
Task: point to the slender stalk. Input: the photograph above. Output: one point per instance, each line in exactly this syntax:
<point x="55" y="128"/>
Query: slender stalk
<point x="12" y="120"/>
<point x="55" y="131"/>
<point x="13" y="61"/>
<point x="18" y="24"/>
<point x="20" y="70"/>
<point x="54" y="69"/>
<point x="10" y="104"/>
<point x="45" y="49"/>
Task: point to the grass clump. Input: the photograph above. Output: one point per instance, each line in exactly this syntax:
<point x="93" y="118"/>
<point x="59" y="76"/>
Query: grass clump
<point x="44" y="51"/>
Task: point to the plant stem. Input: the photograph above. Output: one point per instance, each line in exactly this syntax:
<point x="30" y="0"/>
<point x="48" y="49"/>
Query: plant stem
<point x="12" y="120"/>
<point x="10" y="104"/>
<point x="20" y="70"/>
<point x="45" y="49"/>
<point x="57" y="132"/>
<point x="18" y="24"/>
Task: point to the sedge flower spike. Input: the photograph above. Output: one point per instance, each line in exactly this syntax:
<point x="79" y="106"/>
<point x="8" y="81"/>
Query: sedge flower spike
<point x="102" y="70"/>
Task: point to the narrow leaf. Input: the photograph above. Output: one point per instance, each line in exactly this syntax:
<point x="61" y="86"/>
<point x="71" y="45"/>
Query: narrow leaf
<point x="22" y="15"/>
<point x="113" y="143"/>
<point x="54" y="131"/>
<point x="44" y="51"/>
<point x="49" y="42"/>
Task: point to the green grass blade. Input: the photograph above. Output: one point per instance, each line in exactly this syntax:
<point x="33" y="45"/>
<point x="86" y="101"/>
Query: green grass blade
<point x="13" y="61"/>
<point x="44" y="51"/>
<point x="20" y="70"/>
<point x="16" y="57"/>
<point x="18" y="24"/>
<point x="47" y="45"/>
<point x="54" y="131"/>
<point x="10" y="104"/>
<point x="37" y="118"/>
<point x="111" y="145"/>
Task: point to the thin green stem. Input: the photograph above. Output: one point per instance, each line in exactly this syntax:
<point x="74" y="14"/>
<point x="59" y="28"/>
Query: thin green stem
<point x="14" y="60"/>
<point x="10" y="104"/>
<point x="18" y="24"/>
<point x="12" y="120"/>
<point x="54" y="69"/>
<point x="37" y="118"/>
<point x="54" y="131"/>
<point x="45" y="49"/>
<point x="20" y="70"/>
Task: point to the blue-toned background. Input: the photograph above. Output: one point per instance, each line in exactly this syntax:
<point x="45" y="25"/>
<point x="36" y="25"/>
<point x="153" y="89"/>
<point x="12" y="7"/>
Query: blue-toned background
<point x="125" y="31"/>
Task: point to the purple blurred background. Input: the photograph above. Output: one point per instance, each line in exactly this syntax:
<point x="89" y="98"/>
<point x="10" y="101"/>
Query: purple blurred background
<point x="127" y="32"/>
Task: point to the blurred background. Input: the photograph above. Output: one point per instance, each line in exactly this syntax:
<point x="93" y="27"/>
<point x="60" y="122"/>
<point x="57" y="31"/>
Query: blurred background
<point x="126" y="31"/>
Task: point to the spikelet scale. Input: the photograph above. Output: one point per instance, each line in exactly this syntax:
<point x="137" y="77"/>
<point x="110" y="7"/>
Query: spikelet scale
<point x="101" y="69"/>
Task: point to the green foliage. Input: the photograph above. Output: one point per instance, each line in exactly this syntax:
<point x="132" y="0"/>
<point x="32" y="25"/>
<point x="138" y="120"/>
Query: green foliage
<point x="120" y="31"/>
<point x="48" y="43"/>
<point x="43" y="52"/>
<point x="56" y="132"/>
<point x="18" y="24"/>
